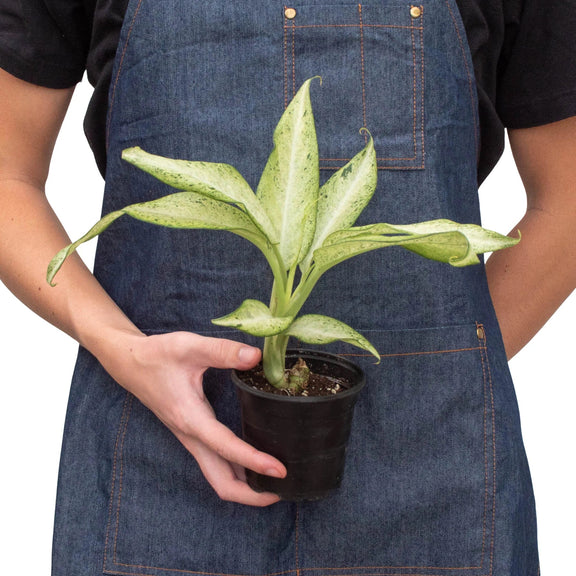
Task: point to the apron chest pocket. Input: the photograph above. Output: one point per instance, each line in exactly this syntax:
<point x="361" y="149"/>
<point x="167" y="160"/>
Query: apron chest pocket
<point x="371" y="60"/>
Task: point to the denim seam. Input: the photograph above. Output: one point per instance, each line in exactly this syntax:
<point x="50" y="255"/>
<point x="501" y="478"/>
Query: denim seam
<point x="362" y="71"/>
<point x="422" y="85"/>
<point x="117" y="78"/>
<point x="290" y="23"/>
<point x="481" y="339"/>
<point x="285" y="29"/>
<point x="296" y="538"/>
<point x="117" y="459"/>
<point x="470" y="77"/>
<point x="485" y="352"/>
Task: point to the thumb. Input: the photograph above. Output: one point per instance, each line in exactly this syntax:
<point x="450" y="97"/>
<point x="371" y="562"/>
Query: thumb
<point x="222" y="353"/>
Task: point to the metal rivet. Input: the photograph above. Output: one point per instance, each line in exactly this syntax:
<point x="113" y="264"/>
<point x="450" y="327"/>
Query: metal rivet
<point x="480" y="333"/>
<point x="415" y="12"/>
<point x="290" y="13"/>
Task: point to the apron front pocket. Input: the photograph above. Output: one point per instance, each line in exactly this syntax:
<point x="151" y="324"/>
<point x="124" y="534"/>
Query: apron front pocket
<point x="417" y="498"/>
<point x="418" y="494"/>
<point x="371" y="60"/>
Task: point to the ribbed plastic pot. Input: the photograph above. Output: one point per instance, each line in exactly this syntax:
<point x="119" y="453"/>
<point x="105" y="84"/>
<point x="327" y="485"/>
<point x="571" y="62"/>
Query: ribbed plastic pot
<point x="307" y="434"/>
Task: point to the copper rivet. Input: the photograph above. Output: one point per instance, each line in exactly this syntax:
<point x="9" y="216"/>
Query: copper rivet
<point x="290" y="13"/>
<point x="480" y="333"/>
<point x="415" y="12"/>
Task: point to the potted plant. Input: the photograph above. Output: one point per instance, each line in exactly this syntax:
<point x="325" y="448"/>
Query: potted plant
<point x="302" y="229"/>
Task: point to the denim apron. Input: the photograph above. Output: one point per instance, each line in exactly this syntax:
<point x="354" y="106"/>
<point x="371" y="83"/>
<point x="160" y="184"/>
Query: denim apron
<point x="436" y="482"/>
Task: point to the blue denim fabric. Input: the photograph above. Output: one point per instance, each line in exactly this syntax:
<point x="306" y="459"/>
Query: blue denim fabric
<point x="437" y="481"/>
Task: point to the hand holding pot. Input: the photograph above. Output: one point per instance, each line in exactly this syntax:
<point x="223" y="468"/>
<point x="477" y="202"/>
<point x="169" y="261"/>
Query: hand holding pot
<point x="165" y="373"/>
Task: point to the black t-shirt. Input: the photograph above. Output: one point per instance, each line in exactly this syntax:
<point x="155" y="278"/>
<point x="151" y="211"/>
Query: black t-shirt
<point x="522" y="51"/>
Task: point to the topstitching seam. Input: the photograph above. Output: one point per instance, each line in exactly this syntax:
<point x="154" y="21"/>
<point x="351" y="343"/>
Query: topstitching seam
<point x="119" y="435"/>
<point x="120" y="66"/>
<point x="469" y="76"/>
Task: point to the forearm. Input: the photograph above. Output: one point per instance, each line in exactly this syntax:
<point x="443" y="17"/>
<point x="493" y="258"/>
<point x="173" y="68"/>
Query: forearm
<point x="531" y="280"/>
<point x="164" y="372"/>
<point x="30" y="235"/>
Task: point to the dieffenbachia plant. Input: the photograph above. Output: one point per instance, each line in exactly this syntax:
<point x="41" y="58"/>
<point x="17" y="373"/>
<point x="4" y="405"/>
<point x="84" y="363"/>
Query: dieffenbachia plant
<point x="296" y="224"/>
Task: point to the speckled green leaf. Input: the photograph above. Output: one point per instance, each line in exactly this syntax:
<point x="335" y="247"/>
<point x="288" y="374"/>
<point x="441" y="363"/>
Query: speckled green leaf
<point x="479" y="240"/>
<point x="179" y="210"/>
<point x="56" y="262"/>
<point x="255" y="318"/>
<point x="217" y="181"/>
<point x="344" y="196"/>
<point x="441" y="240"/>
<point x="444" y="247"/>
<point x="288" y="188"/>
<point x="318" y="329"/>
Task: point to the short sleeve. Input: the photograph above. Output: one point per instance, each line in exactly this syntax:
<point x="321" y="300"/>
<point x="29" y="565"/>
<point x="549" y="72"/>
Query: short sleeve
<point x="538" y="74"/>
<point x="44" y="42"/>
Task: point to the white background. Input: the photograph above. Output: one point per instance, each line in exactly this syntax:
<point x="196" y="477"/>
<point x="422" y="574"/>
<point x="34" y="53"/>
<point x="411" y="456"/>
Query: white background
<point x="36" y="363"/>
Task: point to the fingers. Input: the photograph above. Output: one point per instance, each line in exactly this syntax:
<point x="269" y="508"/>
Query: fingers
<point x="222" y="353"/>
<point x="223" y="442"/>
<point x="171" y="368"/>
<point x="226" y="479"/>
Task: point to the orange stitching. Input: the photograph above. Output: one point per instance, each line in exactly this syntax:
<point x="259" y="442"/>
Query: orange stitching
<point x="285" y="62"/>
<point x="113" y="482"/>
<point x="293" y="61"/>
<point x="121" y="475"/>
<point x="287" y="572"/>
<point x="296" y="536"/>
<point x="485" y="362"/>
<point x="180" y="571"/>
<point x="424" y="353"/>
<point x="112" y="97"/>
<point x="470" y="76"/>
<point x="493" y="453"/>
<point x="363" y="78"/>
<point x="380" y="158"/>
<point x="414" y="94"/>
<point x="356" y="26"/>
<point x="422" y="60"/>
<point x="485" y="424"/>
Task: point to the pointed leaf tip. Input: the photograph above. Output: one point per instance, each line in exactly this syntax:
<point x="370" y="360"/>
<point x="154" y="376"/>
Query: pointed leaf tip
<point x="318" y="329"/>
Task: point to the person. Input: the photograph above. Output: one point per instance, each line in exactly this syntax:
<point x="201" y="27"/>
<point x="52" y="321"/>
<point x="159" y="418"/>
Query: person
<point x="164" y="370"/>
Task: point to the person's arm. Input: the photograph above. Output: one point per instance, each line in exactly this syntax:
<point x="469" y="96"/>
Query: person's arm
<point x="530" y="281"/>
<point x="164" y="372"/>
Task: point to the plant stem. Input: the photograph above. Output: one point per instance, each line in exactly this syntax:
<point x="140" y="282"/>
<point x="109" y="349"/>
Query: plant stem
<point x="274" y="359"/>
<point x="302" y="291"/>
<point x="274" y="355"/>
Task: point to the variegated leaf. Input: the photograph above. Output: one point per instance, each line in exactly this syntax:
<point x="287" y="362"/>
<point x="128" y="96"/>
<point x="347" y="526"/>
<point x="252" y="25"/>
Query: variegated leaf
<point x="255" y="318"/>
<point x="217" y="181"/>
<point x="440" y="240"/>
<point x="288" y="188"/>
<point x="344" y="196"/>
<point x="179" y="210"/>
<point x="479" y="240"/>
<point x="318" y="329"/>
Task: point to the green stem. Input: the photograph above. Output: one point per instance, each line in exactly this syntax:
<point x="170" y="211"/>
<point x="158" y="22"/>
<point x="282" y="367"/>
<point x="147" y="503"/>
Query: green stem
<point x="274" y="355"/>
<point x="302" y="292"/>
<point x="274" y="360"/>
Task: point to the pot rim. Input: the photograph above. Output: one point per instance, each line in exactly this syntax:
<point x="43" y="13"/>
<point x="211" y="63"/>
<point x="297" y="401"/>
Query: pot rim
<point x="350" y="367"/>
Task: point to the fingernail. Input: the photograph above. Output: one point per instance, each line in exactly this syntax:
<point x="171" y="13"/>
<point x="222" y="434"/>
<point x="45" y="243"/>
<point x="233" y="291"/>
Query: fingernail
<point x="274" y="472"/>
<point x="246" y="354"/>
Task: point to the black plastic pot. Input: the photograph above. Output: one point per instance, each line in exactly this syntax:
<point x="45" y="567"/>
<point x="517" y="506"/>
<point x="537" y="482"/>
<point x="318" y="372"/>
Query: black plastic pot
<point x="307" y="434"/>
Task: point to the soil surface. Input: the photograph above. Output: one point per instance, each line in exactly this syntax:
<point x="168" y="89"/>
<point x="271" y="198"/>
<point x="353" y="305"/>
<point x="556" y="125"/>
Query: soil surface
<point x="318" y="384"/>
